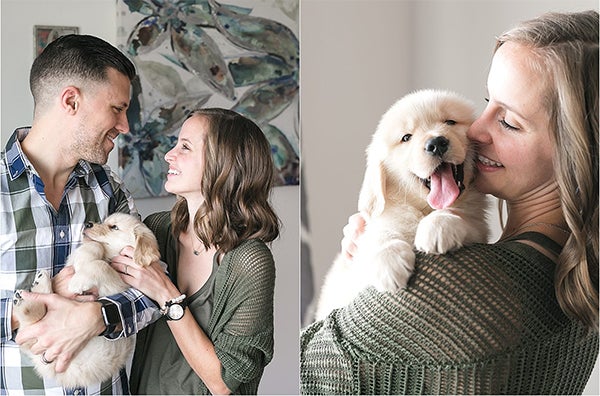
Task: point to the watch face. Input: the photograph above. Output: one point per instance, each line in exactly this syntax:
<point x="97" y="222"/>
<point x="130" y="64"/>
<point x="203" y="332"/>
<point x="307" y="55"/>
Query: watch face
<point x="175" y="312"/>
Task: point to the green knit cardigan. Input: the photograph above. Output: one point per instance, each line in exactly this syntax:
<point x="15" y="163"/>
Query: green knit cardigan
<point x="481" y="320"/>
<point x="240" y="327"/>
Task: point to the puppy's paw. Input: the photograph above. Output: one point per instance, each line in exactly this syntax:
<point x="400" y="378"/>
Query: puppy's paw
<point x="27" y="311"/>
<point x="394" y="264"/>
<point x="17" y="299"/>
<point x="79" y="284"/>
<point x="440" y="232"/>
<point x="42" y="283"/>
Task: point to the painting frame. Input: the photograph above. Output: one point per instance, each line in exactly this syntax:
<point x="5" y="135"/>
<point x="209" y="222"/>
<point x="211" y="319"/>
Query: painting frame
<point x="45" y="34"/>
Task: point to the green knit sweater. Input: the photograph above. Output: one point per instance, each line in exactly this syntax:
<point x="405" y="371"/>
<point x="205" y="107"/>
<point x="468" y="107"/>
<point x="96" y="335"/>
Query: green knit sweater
<point x="240" y="325"/>
<point x="481" y="320"/>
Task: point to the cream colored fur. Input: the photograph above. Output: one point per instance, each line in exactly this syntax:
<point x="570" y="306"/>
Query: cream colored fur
<point x="393" y="198"/>
<point x="101" y="358"/>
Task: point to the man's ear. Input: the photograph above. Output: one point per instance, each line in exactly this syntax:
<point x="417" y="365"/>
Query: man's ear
<point x="70" y="99"/>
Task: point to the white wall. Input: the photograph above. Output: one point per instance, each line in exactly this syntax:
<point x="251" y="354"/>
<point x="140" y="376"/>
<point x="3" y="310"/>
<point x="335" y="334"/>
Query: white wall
<point x="98" y="17"/>
<point x="358" y="57"/>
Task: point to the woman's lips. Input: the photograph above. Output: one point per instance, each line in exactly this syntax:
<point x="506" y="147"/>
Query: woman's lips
<point x="487" y="163"/>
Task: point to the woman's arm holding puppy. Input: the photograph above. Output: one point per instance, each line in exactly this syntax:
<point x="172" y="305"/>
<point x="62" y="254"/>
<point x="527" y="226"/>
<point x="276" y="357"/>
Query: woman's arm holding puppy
<point x="195" y="345"/>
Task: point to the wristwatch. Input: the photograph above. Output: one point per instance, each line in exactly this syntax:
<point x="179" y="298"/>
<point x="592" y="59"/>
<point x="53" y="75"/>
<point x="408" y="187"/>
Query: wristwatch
<point x="174" y="309"/>
<point x="111" y="316"/>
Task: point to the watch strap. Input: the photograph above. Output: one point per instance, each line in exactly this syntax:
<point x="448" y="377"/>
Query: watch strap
<point x="110" y="315"/>
<point x="181" y="300"/>
<point x="177" y="300"/>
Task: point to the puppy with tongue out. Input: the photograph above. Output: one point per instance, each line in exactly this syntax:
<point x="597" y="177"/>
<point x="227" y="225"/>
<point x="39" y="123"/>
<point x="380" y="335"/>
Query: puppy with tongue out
<point x="416" y="194"/>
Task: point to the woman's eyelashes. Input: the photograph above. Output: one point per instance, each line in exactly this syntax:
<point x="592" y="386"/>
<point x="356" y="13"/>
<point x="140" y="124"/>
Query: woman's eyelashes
<point x="507" y="126"/>
<point x="503" y="121"/>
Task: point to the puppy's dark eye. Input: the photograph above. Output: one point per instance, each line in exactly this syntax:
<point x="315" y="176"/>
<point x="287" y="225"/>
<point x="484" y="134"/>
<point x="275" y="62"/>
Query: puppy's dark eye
<point x="450" y="122"/>
<point x="114" y="227"/>
<point x="406" y="137"/>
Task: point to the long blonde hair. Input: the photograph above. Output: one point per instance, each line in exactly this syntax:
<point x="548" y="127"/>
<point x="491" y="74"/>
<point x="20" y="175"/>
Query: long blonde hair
<point x="566" y="45"/>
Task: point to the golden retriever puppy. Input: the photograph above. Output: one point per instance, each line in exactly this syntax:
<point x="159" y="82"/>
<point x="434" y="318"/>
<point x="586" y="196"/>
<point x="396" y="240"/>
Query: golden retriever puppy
<point x="101" y="358"/>
<point x="416" y="193"/>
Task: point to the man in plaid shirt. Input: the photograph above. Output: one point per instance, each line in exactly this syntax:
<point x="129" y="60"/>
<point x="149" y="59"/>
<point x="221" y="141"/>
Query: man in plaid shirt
<point x="51" y="185"/>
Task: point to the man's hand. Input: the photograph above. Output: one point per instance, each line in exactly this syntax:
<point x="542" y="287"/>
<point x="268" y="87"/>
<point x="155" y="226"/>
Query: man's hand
<point x="65" y="329"/>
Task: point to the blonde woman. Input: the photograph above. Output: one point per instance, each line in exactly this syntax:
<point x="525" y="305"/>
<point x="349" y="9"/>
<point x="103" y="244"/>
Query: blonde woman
<point x="519" y="316"/>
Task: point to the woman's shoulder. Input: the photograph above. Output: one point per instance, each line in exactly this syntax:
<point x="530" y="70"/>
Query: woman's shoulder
<point x="503" y="262"/>
<point x="251" y="249"/>
<point x="487" y="279"/>
<point x="160" y="225"/>
<point x="251" y="257"/>
<point x="457" y="306"/>
<point x="158" y="220"/>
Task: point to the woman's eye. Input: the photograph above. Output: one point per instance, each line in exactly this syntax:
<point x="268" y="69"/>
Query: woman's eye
<point x="406" y="137"/>
<point x="506" y="125"/>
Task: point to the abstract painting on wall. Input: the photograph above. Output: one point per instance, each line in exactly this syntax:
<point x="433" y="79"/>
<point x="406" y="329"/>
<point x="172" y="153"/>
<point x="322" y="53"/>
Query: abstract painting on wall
<point x="237" y="54"/>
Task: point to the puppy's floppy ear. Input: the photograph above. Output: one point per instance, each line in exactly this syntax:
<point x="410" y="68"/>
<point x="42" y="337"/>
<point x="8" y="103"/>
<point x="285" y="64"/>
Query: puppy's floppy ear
<point x="373" y="191"/>
<point x="146" y="247"/>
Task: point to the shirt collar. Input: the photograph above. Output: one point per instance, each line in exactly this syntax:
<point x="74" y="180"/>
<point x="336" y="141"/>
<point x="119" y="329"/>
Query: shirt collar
<point x="17" y="162"/>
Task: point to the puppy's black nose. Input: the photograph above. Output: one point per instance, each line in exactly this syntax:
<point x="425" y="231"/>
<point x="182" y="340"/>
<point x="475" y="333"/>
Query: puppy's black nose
<point x="437" y="146"/>
<point x="89" y="224"/>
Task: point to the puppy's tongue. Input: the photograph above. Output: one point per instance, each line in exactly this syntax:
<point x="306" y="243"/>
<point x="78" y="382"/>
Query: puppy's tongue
<point x="444" y="190"/>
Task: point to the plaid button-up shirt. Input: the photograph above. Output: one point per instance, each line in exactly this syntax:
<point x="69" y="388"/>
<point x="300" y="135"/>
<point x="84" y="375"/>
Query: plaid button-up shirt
<point x="35" y="236"/>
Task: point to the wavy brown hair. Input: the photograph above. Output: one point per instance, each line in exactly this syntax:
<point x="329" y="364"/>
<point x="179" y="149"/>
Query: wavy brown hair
<point x="566" y="48"/>
<point x="236" y="184"/>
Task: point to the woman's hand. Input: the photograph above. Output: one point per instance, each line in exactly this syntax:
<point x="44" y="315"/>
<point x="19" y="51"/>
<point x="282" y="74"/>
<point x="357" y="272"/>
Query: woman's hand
<point x="352" y="232"/>
<point x="60" y="285"/>
<point x="151" y="280"/>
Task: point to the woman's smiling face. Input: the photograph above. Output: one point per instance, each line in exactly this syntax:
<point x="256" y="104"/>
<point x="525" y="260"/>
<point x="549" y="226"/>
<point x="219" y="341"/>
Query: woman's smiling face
<point x="512" y="135"/>
<point x="186" y="159"/>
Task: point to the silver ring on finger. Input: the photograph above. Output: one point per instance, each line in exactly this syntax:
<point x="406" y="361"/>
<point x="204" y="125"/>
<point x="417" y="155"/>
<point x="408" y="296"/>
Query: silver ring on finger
<point x="44" y="360"/>
<point x="126" y="266"/>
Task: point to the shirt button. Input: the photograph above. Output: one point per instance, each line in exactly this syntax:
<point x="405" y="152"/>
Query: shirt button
<point x="62" y="234"/>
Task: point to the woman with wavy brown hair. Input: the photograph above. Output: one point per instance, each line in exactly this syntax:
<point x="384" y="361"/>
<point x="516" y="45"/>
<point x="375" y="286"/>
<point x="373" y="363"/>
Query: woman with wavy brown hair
<point x="216" y="333"/>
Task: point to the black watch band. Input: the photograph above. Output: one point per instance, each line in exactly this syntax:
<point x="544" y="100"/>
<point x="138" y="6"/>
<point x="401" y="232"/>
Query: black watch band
<point x="111" y="316"/>
<point x="174" y="309"/>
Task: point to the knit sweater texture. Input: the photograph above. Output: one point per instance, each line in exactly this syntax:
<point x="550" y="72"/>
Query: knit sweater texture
<point x="481" y="320"/>
<point x="240" y="325"/>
